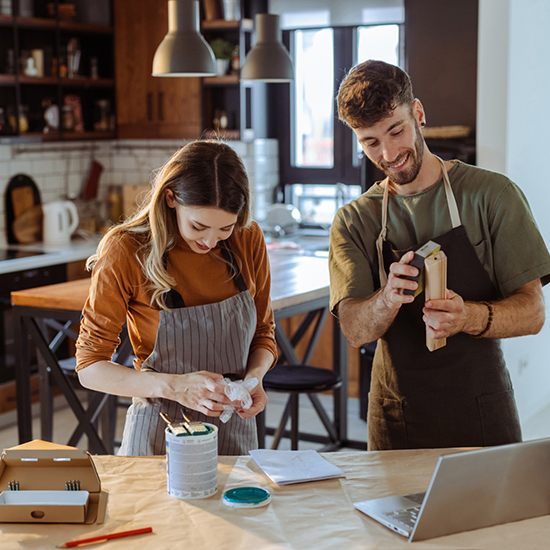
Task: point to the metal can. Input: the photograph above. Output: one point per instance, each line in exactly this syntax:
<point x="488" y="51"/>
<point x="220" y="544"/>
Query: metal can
<point x="192" y="464"/>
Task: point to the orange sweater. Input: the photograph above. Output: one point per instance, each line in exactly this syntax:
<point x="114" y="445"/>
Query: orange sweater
<point x="119" y="292"/>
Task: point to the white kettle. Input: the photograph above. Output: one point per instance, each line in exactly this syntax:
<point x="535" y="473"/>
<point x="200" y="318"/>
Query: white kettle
<point x="59" y="223"/>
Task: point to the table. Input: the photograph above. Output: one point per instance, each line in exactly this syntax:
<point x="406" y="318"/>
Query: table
<point x="317" y="515"/>
<point x="300" y="284"/>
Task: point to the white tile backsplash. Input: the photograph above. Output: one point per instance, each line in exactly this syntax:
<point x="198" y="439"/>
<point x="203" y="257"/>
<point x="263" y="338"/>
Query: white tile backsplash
<point x="60" y="169"/>
<point x="266" y="147"/>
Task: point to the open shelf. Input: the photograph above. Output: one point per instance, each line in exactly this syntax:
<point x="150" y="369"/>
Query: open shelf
<point x="7" y="80"/>
<point x="222" y="24"/>
<point x="48" y="40"/>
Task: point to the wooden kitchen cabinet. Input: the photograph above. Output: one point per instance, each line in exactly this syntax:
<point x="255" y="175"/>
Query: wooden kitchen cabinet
<point x="150" y="107"/>
<point x="35" y="73"/>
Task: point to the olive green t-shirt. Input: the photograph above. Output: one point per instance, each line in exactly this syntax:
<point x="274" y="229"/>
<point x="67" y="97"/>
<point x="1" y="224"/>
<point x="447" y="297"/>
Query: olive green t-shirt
<point x="494" y="211"/>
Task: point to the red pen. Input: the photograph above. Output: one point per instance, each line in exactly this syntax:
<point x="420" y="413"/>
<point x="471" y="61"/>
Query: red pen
<point x="104" y="538"/>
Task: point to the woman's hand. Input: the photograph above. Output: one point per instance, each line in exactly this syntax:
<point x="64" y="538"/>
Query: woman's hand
<point x="200" y="392"/>
<point x="259" y="402"/>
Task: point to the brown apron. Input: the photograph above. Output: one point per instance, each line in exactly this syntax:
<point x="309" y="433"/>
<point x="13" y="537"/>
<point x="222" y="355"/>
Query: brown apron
<point x="457" y="396"/>
<point x="212" y="337"/>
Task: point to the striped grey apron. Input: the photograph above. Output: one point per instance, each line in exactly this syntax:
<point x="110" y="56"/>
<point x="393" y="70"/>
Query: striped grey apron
<point x="213" y="337"/>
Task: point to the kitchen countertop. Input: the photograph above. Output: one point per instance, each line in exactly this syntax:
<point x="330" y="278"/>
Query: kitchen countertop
<point x="79" y="249"/>
<point x="299" y="242"/>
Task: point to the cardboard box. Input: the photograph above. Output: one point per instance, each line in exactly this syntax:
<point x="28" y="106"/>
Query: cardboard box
<point x="41" y="471"/>
<point x="132" y="197"/>
<point x="17" y="506"/>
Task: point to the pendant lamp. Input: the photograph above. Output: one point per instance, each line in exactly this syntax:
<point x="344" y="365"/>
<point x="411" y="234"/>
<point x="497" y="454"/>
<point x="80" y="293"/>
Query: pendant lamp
<point x="268" y="60"/>
<point x="184" y="51"/>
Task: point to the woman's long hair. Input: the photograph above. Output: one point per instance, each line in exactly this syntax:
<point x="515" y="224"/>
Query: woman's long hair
<point x="206" y="173"/>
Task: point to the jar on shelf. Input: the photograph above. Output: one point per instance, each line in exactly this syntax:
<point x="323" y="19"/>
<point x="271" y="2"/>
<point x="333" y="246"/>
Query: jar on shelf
<point x="23" y="119"/>
<point x="94" y="69"/>
<point x="223" y="120"/>
<point x="67" y="118"/>
<point x="102" y="115"/>
<point x="235" y="60"/>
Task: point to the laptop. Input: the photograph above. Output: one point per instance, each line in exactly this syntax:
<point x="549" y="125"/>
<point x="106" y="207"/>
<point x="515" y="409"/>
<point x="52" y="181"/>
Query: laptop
<point x="470" y="490"/>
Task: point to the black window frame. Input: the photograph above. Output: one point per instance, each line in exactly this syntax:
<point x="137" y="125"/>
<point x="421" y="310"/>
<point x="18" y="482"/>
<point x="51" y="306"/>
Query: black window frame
<point x="349" y="167"/>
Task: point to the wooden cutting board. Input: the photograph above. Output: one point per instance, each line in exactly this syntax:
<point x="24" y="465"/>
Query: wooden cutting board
<point x="22" y="199"/>
<point x="21" y="195"/>
<point x="27" y="227"/>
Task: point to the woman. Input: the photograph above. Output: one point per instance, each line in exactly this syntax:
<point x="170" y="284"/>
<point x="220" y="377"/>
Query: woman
<point x="189" y="272"/>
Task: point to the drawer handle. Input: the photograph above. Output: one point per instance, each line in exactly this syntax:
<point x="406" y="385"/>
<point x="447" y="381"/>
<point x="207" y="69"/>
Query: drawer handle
<point x="150" y="107"/>
<point x="161" y="106"/>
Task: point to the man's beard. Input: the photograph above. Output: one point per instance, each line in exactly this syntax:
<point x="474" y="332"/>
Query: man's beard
<point x="416" y="155"/>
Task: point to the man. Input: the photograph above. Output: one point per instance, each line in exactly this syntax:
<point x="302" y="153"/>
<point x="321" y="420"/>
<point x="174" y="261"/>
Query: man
<point x="461" y="394"/>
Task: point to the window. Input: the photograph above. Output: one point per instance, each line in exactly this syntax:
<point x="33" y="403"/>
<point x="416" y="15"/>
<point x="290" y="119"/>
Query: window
<point x="378" y="42"/>
<point x="318" y="204"/>
<point x="315" y="148"/>
<point x="313" y="97"/>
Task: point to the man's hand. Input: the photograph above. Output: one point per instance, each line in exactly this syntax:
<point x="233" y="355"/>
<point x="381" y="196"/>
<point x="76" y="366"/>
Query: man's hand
<point x="392" y="292"/>
<point x="520" y="313"/>
<point x="366" y="320"/>
<point x="444" y="318"/>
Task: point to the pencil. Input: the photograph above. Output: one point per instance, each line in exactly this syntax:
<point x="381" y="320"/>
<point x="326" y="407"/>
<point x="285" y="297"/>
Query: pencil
<point x="103" y="538"/>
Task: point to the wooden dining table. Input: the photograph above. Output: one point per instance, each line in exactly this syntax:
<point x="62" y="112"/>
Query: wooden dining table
<point x="300" y="285"/>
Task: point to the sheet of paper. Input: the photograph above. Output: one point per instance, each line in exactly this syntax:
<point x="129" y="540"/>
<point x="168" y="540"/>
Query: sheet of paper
<point x="284" y="467"/>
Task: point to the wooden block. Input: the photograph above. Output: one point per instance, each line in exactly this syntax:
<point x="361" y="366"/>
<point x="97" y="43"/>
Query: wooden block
<point x="435" y="268"/>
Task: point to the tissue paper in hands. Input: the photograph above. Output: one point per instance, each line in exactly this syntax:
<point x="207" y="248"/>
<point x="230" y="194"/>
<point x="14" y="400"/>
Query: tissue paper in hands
<point x="238" y="390"/>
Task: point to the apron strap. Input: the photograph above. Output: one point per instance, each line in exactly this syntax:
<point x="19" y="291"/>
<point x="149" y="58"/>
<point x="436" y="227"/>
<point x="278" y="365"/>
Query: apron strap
<point x="230" y="258"/>
<point x="382" y="236"/>
<point x="451" y="204"/>
<point x="451" y="200"/>
<point x="172" y="299"/>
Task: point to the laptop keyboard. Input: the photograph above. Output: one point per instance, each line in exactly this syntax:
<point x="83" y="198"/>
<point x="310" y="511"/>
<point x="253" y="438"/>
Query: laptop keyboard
<point x="408" y="516"/>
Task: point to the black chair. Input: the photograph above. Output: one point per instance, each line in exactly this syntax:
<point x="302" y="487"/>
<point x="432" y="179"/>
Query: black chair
<point x="296" y="379"/>
<point x="101" y="407"/>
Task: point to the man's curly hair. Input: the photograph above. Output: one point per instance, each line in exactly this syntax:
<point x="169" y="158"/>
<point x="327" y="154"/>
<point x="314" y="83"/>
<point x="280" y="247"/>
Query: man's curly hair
<point x="371" y="91"/>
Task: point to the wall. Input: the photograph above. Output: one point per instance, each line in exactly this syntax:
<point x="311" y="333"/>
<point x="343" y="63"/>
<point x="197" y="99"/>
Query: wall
<point x="60" y="169"/>
<point x="441" y="58"/>
<point x="513" y="122"/>
<point x="322" y="13"/>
